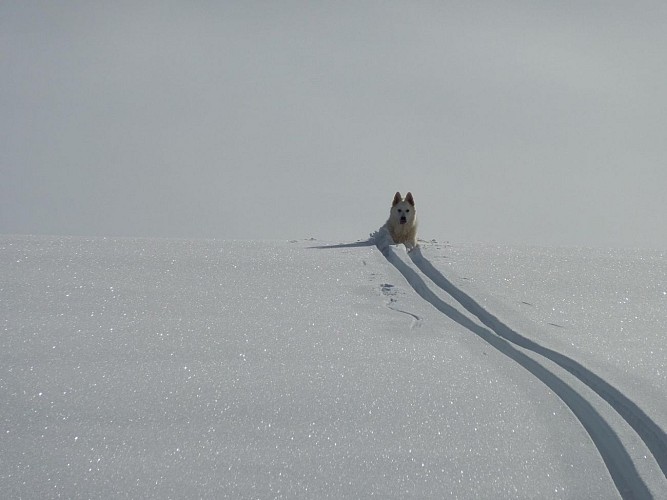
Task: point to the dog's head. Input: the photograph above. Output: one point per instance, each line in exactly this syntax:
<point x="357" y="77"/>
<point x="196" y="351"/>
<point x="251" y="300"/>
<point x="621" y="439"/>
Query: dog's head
<point x="403" y="210"/>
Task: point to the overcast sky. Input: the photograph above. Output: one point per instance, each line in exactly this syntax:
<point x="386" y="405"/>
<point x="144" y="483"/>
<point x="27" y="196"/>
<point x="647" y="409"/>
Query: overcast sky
<point x="529" y="122"/>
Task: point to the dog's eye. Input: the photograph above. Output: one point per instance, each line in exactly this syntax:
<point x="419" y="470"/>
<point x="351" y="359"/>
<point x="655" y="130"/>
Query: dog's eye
<point x="407" y="211"/>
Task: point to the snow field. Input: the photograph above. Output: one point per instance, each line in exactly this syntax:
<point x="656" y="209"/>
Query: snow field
<point x="260" y="369"/>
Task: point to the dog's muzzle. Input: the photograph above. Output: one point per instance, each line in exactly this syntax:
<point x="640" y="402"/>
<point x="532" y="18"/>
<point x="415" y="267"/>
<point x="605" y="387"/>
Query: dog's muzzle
<point x="403" y="220"/>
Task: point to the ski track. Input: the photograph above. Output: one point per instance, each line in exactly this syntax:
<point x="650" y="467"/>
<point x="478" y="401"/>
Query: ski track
<point x="653" y="436"/>
<point x="507" y="341"/>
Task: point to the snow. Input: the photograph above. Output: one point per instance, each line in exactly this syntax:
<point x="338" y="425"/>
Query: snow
<point x="146" y="368"/>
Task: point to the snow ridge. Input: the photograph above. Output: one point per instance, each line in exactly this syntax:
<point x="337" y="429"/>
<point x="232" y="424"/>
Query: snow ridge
<point x="620" y="465"/>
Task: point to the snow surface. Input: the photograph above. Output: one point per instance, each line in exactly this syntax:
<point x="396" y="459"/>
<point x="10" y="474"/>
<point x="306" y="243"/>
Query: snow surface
<point x="139" y="368"/>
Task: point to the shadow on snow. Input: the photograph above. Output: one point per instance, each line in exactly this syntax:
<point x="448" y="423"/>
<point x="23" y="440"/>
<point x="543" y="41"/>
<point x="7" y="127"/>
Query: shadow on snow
<point x="619" y="463"/>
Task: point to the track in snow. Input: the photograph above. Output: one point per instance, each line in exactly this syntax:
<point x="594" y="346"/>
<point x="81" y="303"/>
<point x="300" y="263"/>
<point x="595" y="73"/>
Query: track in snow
<point x="507" y="341"/>
<point x="388" y="290"/>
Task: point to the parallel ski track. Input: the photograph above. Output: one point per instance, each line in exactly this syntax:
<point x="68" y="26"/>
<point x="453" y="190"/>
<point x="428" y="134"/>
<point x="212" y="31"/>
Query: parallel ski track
<point x="619" y="463"/>
<point x="653" y="436"/>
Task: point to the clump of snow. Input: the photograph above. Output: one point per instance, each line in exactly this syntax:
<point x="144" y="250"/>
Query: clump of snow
<point x="180" y="369"/>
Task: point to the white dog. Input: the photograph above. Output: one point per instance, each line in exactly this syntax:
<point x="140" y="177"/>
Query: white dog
<point x="402" y="222"/>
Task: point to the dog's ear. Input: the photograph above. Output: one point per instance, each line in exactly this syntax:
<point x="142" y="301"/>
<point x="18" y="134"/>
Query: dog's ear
<point x="397" y="199"/>
<point x="410" y="199"/>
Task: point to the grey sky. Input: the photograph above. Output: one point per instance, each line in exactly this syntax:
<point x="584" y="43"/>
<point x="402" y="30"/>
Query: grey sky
<point x="511" y="122"/>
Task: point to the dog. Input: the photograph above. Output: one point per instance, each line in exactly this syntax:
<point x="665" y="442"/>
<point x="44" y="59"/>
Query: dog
<point x="402" y="222"/>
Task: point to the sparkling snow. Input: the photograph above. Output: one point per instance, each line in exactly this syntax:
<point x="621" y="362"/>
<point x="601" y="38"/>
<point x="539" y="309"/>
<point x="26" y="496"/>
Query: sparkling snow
<point x="139" y="368"/>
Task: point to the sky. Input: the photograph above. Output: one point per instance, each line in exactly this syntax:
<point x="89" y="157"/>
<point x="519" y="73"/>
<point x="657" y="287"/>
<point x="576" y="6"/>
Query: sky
<point x="523" y="122"/>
